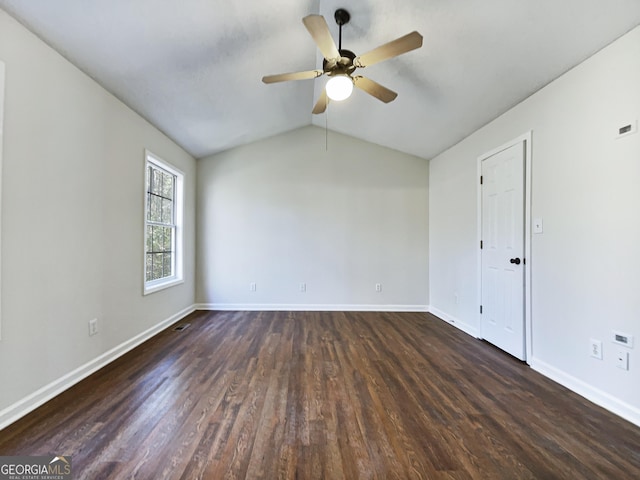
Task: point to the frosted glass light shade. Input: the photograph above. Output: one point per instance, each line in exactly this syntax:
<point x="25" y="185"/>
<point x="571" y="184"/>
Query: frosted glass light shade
<point x="339" y="87"/>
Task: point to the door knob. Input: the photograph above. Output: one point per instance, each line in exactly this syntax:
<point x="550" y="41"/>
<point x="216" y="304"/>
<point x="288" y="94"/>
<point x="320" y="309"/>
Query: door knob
<point x="515" y="260"/>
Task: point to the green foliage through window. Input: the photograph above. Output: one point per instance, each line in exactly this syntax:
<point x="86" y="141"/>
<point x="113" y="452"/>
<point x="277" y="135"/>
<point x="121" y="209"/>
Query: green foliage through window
<point x="161" y="227"/>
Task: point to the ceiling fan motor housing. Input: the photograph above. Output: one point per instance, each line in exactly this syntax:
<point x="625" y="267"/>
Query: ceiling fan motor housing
<point x="343" y="66"/>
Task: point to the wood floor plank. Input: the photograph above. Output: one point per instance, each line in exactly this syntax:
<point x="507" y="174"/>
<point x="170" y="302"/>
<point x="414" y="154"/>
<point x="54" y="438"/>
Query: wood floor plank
<point x="324" y="395"/>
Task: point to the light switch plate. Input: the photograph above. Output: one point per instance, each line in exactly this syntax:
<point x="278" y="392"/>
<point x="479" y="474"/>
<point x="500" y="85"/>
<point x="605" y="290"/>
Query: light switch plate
<point x="537" y="225"/>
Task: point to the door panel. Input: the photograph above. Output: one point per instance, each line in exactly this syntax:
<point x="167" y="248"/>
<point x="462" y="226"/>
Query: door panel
<point x="502" y="266"/>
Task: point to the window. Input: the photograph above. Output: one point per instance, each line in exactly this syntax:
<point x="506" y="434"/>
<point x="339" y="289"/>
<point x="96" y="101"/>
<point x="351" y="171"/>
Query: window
<point x="163" y="225"/>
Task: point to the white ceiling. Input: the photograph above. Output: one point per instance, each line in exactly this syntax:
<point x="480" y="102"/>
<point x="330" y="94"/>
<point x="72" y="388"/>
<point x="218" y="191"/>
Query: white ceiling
<point x="193" y="67"/>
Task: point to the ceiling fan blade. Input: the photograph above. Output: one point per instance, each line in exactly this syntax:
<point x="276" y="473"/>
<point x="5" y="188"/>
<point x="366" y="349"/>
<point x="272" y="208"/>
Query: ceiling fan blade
<point x="321" y="104"/>
<point x="396" y="47"/>
<point x="283" y="77"/>
<point x="375" y="89"/>
<point x="319" y="30"/>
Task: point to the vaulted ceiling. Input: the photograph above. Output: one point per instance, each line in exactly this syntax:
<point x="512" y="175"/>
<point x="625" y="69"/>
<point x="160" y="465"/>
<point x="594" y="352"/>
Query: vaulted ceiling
<point x="193" y="68"/>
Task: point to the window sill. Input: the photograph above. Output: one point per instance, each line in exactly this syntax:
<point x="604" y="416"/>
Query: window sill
<point x="153" y="287"/>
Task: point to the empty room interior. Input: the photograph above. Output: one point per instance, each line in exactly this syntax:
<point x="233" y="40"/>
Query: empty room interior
<point x="211" y="267"/>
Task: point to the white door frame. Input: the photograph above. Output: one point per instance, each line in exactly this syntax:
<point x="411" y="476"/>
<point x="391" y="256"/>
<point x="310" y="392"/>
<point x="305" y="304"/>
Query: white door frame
<point x="526" y="138"/>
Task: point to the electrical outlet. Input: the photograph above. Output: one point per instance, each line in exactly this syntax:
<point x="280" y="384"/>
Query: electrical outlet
<point x="252" y="287"/>
<point x="93" y="327"/>
<point x="596" y="349"/>
<point x="303" y="287"/>
<point x="378" y="287"/>
<point x="622" y="359"/>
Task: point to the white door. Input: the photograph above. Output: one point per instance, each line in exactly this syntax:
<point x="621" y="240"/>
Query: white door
<point x="502" y="254"/>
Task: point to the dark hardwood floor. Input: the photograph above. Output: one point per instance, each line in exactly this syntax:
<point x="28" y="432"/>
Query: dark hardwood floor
<point x="324" y="395"/>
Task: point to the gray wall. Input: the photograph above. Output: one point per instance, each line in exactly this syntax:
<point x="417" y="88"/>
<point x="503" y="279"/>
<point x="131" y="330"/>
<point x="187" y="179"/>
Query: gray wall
<point x="72" y="221"/>
<point x="585" y="266"/>
<point x="286" y="210"/>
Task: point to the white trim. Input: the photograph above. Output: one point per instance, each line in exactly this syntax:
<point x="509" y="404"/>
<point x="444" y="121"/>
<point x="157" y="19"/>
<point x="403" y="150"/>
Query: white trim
<point x="528" y="318"/>
<point x="46" y="393"/>
<point x="301" y="307"/>
<point x="178" y="277"/>
<point x="459" y="324"/>
<point x="2" y="71"/>
<point x="525" y="138"/>
<point x="597" y="396"/>
<point x="167" y="282"/>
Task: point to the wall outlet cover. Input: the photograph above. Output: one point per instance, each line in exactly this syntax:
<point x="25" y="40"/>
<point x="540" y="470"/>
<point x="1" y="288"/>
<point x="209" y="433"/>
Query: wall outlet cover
<point x="93" y="327"/>
<point x="596" y="348"/>
<point x="622" y="359"/>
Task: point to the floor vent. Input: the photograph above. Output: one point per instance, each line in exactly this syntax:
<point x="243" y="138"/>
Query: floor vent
<point x="184" y="326"/>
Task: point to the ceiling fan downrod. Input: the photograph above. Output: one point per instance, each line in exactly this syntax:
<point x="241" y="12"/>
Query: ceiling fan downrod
<point x="342" y="18"/>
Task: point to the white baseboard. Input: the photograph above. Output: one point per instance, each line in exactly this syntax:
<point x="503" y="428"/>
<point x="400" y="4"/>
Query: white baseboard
<point x="46" y="393"/>
<point x="303" y="307"/>
<point x="465" y="327"/>
<point x="599" y="397"/>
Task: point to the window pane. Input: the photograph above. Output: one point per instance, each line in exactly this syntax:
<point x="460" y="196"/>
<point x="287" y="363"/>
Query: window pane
<point x="157" y="265"/>
<point x="156" y="209"/>
<point x="167" y="265"/>
<point x="158" y="239"/>
<point x="167" y="186"/>
<point x="148" y="206"/>
<point x="167" y="211"/>
<point x="168" y="237"/>
<point x="149" y="267"/>
<point x="150" y="180"/>
<point x="157" y="182"/>
<point x="149" y="170"/>
<point x="149" y="239"/>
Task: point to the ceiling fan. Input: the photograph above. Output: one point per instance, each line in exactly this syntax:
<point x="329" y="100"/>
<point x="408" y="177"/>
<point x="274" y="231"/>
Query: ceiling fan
<point x="340" y="64"/>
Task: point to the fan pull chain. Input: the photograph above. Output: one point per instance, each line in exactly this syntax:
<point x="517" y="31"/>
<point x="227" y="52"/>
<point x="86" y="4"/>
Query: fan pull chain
<point x="326" y="129"/>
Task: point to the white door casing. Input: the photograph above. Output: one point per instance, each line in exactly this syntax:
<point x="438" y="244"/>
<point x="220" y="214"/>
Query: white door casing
<point x="502" y="257"/>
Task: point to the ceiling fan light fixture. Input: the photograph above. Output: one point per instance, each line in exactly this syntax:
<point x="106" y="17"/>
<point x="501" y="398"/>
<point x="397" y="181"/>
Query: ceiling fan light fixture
<point x="339" y="64"/>
<point x="339" y="87"/>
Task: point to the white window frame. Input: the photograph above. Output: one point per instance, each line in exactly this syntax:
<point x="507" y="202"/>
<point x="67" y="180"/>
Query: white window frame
<point x="177" y="277"/>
